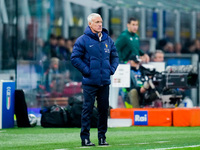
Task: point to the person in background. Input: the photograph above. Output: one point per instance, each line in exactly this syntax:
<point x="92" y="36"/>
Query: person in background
<point x="39" y="53"/>
<point x="197" y="44"/>
<point x="178" y="48"/>
<point x="128" y="42"/>
<point x="161" y="44"/>
<point x="157" y="56"/>
<point x="73" y="39"/>
<point x="53" y="78"/>
<point x="69" y="44"/>
<point x="190" y="47"/>
<point x="63" y="53"/>
<point x="95" y="56"/>
<point x="134" y="95"/>
<point x="50" y="48"/>
<point x="169" y="48"/>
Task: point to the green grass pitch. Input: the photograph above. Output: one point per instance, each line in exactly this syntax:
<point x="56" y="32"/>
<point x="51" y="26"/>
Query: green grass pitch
<point x="126" y="138"/>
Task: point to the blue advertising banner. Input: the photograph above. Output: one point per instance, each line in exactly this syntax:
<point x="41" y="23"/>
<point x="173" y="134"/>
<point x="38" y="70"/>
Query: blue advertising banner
<point x="140" y="117"/>
<point x="7" y="91"/>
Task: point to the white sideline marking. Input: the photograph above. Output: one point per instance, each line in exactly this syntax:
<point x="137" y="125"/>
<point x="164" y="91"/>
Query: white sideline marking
<point x="161" y="141"/>
<point x="141" y="143"/>
<point x="3" y="131"/>
<point x="175" y="147"/>
<point x="62" y="149"/>
<point x="124" y="144"/>
<point x="103" y="146"/>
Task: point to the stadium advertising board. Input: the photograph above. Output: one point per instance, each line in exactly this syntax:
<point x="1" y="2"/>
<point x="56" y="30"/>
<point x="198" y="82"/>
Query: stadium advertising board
<point x="121" y="78"/>
<point x="140" y="117"/>
<point x="7" y="90"/>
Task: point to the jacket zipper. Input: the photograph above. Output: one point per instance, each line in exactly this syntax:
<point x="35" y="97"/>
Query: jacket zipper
<point x="100" y="63"/>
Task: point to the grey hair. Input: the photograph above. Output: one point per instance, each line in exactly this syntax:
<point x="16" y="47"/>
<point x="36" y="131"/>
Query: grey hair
<point x="156" y="52"/>
<point x="91" y="16"/>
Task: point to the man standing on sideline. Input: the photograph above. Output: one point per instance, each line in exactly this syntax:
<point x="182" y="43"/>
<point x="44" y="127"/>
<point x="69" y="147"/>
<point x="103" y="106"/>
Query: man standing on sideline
<point x="127" y="43"/>
<point x="95" y="56"/>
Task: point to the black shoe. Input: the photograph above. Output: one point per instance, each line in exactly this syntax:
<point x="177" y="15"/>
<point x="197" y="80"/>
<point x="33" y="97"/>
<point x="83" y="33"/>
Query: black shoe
<point x="103" y="142"/>
<point x="87" y="142"/>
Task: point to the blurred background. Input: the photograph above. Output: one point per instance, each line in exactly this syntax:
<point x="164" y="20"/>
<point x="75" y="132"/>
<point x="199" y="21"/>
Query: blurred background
<point x="37" y="36"/>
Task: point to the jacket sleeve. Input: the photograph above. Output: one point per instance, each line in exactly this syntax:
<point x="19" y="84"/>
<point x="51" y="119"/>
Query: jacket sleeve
<point x="141" y="52"/>
<point x="77" y="57"/>
<point x="114" y="58"/>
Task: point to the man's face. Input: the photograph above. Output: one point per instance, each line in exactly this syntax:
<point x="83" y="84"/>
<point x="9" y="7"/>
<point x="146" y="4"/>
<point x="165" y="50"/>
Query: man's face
<point x="96" y="24"/>
<point x="54" y="65"/>
<point x="53" y="41"/>
<point x="133" y="26"/>
<point x="61" y="42"/>
<point x="159" y="57"/>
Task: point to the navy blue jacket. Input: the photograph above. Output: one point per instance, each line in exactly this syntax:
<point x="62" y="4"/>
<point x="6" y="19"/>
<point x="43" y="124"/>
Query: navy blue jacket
<point x="95" y="59"/>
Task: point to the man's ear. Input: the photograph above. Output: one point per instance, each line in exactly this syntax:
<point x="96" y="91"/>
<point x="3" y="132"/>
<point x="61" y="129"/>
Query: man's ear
<point x="127" y="25"/>
<point x="89" y="24"/>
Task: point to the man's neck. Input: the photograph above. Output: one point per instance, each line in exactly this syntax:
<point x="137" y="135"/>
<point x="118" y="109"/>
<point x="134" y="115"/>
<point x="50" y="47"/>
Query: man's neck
<point x="131" y="32"/>
<point x="99" y="34"/>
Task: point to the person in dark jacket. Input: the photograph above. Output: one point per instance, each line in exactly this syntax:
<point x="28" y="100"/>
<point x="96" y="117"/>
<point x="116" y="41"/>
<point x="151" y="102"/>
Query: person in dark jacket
<point x="135" y="93"/>
<point x="95" y="56"/>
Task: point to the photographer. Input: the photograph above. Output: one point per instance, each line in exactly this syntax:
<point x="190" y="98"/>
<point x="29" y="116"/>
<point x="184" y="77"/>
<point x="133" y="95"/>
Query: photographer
<point x="134" y="95"/>
<point x="142" y="91"/>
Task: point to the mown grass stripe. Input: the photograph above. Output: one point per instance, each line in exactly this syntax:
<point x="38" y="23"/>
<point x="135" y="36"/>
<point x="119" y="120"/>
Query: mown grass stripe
<point x="120" y="138"/>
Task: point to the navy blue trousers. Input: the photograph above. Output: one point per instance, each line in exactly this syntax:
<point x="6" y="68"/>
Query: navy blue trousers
<point x="101" y="94"/>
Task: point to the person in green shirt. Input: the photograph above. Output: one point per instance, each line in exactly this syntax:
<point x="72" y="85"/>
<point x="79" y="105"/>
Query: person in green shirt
<point x="127" y="43"/>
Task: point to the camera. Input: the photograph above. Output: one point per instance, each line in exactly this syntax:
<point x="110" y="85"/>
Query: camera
<point x="166" y="82"/>
<point x="173" y="77"/>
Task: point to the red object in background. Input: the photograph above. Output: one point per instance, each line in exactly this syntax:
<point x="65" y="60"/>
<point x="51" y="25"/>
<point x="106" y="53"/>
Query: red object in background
<point x="184" y="117"/>
<point x="156" y="116"/>
<point x="32" y="29"/>
<point x="72" y="88"/>
<point x="178" y="117"/>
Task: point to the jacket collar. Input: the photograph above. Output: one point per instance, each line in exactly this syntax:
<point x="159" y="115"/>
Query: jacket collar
<point x="132" y="34"/>
<point x="95" y="35"/>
